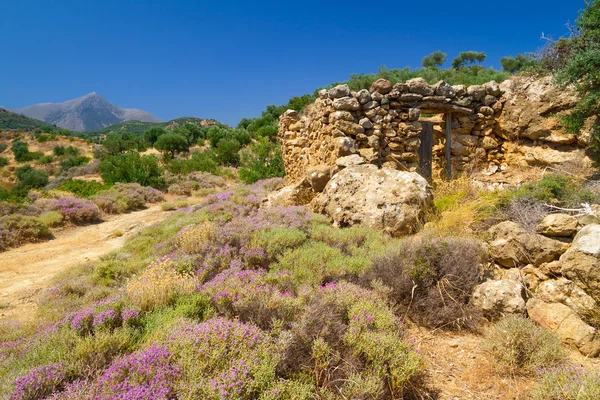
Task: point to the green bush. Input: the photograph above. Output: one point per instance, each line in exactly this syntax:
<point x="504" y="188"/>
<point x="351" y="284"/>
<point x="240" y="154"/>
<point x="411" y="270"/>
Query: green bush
<point x="30" y="177"/>
<point x="203" y="161"/>
<point x="17" y="229"/>
<point x="152" y="134"/>
<point x="520" y="344"/>
<point x="555" y="188"/>
<point x="3" y="146"/>
<point x="71" y="161"/>
<point x="171" y="144"/>
<point x="131" y="167"/>
<point x="3" y="162"/>
<point x="261" y="160"/>
<point x="45" y="160"/>
<point x="567" y="383"/>
<point x="82" y="188"/>
<point x="227" y="152"/>
<point x="52" y="219"/>
<point x="21" y="151"/>
<point x="59" y="151"/>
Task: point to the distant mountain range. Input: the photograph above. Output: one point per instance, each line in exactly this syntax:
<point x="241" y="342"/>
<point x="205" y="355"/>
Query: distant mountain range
<point x="88" y="113"/>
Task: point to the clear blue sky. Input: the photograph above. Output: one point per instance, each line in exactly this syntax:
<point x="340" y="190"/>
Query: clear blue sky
<point x="228" y="60"/>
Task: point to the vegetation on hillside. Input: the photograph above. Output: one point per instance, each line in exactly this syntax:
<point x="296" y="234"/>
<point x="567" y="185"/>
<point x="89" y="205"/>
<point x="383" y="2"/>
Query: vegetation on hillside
<point x="11" y="120"/>
<point x="138" y="128"/>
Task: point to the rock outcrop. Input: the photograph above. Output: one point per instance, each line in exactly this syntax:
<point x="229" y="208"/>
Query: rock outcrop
<point x="385" y="199"/>
<point x="581" y="263"/>
<point x="500" y="297"/>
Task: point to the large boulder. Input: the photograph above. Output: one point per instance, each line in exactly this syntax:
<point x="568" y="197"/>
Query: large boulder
<point x="564" y="291"/>
<point x="514" y="246"/>
<point x="497" y="298"/>
<point x="560" y="225"/>
<point x="566" y="324"/>
<point x="382" y="86"/>
<point x="581" y="263"/>
<point x="420" y="86"/>
<point x="386" y="199"/>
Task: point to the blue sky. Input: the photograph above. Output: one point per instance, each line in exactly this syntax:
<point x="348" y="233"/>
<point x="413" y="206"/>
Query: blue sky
<point x="227" y="60"/>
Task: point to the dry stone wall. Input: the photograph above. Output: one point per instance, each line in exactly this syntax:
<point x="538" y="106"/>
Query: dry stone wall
<point x="493" y="126"/>
<point x="382" y="125"/>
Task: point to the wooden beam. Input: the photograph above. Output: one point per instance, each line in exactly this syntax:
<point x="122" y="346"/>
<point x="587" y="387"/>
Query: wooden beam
<point x="449" y="145"/>
<point x="433" y="108"/>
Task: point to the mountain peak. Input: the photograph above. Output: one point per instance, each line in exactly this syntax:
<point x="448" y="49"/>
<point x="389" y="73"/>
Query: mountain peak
<point x="86" y="113"/>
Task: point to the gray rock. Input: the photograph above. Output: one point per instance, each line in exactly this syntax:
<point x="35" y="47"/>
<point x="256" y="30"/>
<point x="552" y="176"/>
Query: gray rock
<point x="386" y="199"/>
<point x="366" y="123"/>
<point x="411" y="97"/>
<point x="477" y="92"/>
<point x="492" y="88"/>
<point x="560" y="225"/>
<point x="420" y="86"/>
<point x="497" y="298"/>
<point x="442" y="88"/>
<point x="363" y="96"/>
<point x="459" y="90"/>
<point x="488" y="100"/>
<point x="346" y="104"/>
<point x="339" y="91"/>
<point x="581" y="263"/>
<point x="349" y="161"/>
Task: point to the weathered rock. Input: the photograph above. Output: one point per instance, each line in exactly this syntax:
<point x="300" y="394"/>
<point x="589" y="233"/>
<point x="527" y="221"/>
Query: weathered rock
<point x="492" y="88"/>
<point x="477" y="92"/>
<point x="365" y="123"/>
<point x="363" y="96"/>
<point x="349" y="161"/>
<point x="411" y="97"/>
<point x="345" y="146"/>
<point x="420" y="86"/>
<point x="389" y="200"/>
<point x="581" y="263"/>
<point x="564" y="291"/>
<point x="444" y="89"/>
<point x="496" y="298"/>
<point x="513" y="246"/>
<point x="346" y="103"/>
<point x="382" y="86"/>
<point x="349" y="128"/>
<point x="566" y="324"/>
<point x="488" y="100"/>
<point x="318" y="176"/>
<point x="559" y="225"/>
<point x="340" y="116"/>
<point x="459" y="90"/>
<point x="532" y="276"/>
<point x="339" y="91"/>
<point x="292" y="195"/>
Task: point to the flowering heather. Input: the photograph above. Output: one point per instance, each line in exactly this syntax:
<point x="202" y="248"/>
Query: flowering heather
<point x="82" y="321"/>
<point x="74" y="210"/>
<point x="223" y="359"/>
<point x="39" y="382"/>
<point x="130" y="317"/>
<point x="248" y="295"/>
<point x="125" y="197"/>
<point x="159" y="284"/>
<point x="565" y="382"/>
<point x="7" y="208"/>
<point x="146" y="375"/>
<point x="107" y="319"/>
<point x="18" y="229"/>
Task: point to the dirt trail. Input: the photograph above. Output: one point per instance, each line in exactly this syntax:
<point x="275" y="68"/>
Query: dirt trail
<point x="27" y="269"/>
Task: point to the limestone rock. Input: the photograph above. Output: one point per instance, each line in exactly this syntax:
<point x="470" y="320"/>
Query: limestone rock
<point x="560" y="225"/>
<point x="346" y="103"/>
<point x="339" y="91"/>
<point x="386" y="199"/>
<point x="492" y="88"/>
<point x="444" y="89"/>
<point x="363" y="96"/>
<point x="349" y="161"/>
<point x="566" y="324"/>
<point x="349" y="128"/>
<point x="564" y="291"/>
<point x="513" y="246"/>
<point x="318" y="176"/>
<point x="382" y="86"/>
<point x="345" y="146"/>
<point x="581" y="263"/>
<point x="496" y="298"/>
<point x="459" y="90"/>
<point x="420" y="86"/>
<point x="477" y="92"/>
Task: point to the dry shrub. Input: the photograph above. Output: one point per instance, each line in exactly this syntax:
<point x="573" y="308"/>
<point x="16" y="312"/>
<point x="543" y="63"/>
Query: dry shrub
<point x="431" y="280"/>
<point x="159" y="285"/>
<point x="521" y="345"/>
<point x="18" y="229"/>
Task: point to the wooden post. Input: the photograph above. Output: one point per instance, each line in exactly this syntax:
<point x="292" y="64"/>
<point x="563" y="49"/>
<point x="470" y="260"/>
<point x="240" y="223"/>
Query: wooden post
<point x="426" y="150"/>
<point x="449" y="145"/>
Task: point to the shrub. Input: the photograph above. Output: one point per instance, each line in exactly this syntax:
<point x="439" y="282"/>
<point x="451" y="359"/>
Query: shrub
<point x="19" y="229"/>
<point x="567" y="383"/>
<point x="3" y="162"/>
<point x="159" y="285"/>
<point x="432" y="279"/>
<point x="3" y="146"/>
<point x="45" y="160"/>
<point x="130" y="167"/>
<point x="146" y="374"/>
<point x="30" y="177"/>
<point x="125" y="197"/>
<point x="227" y="152"/>
<point x="174" y="205"/>
<point x="82" y="188"/>
<point x="205" y="161"/>
<point x="171" y="144"/>
<point x="72" y="161"/>
<point x="261" y="160"/>
<point x="221" y="358"/>
<point x="21" y="151"/>
<point x="59" y="151"/>
<point x="52" y="218"/>
<point x="520" y="344"/>
<point x="76" y="211"/>
<point x="39" y="382"/>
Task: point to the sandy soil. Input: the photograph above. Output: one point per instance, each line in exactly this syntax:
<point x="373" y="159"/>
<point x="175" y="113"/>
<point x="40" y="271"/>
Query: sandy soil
<point x="27" y="269"/>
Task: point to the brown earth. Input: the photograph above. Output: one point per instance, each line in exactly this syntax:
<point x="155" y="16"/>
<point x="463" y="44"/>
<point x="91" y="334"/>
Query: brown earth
<point x="26" y="270"/>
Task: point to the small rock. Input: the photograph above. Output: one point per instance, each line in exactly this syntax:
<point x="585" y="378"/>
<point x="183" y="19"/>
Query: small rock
<point x="346" y="104"/>
<point x="382" y="86"/>
<point x="339" y="91"/>
<point x="348" y="161"/>
<point x="560" y="225"/>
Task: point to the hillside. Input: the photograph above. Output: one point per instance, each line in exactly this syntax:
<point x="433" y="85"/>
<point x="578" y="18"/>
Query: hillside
<point x="11" y="120"/>
<point x="86" y="113"/>
<point x="138" y="127"/>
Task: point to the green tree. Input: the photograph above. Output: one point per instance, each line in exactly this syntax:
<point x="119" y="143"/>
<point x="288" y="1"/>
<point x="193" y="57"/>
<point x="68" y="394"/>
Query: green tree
<point x="152" y="134"/>
<point x="171" y="143"/>
<point x="468" y="58"/>
<point x="131" y="167"/>
<point x="519" y="63"/>
<point x="115" y="144"/>
<point x="227" y="152"/>
<point x="434" y="60"/>
<point x="31" y="178"/>
<point x="261" y="160"/>
<point x="21" y="150"/>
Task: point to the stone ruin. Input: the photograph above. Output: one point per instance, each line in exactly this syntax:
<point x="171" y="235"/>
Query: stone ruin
<point x="492" y="126"/>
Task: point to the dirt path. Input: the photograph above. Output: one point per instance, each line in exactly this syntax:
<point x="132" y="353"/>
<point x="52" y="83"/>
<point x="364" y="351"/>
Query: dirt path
<point x="27" y="269"/>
